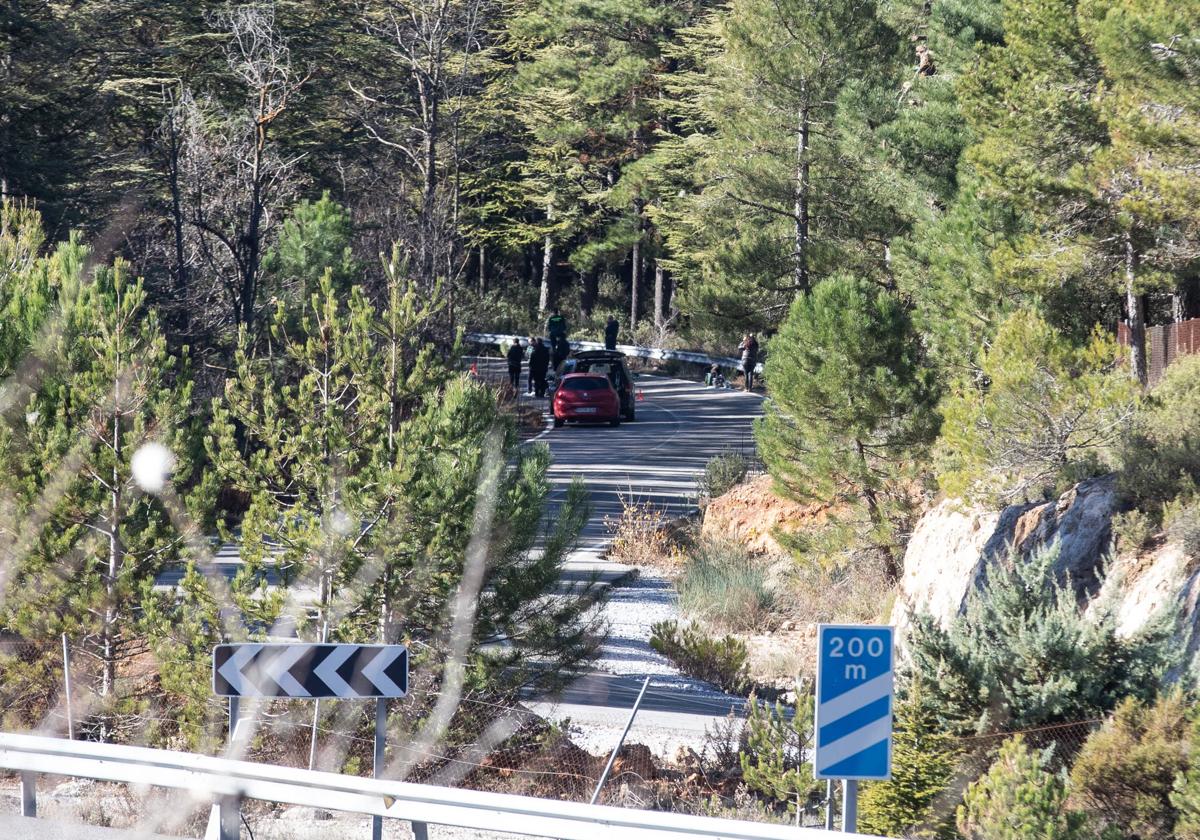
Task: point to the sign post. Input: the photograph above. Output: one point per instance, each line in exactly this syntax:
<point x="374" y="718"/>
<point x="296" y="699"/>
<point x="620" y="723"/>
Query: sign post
<point x="312" y="672"/>
<point x="853" y="708"/>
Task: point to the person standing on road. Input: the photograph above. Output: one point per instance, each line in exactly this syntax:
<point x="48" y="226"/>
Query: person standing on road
<point x="610" y="333"/>
<point x="559" y="350"/>
<point x="556" y="328"/>
<point x="539" y="363"/>
<point x="515" y="355"/>
<point x="749" y="348"/>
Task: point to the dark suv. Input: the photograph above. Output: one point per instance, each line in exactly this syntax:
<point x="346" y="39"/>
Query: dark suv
<point x="611" y="364"/>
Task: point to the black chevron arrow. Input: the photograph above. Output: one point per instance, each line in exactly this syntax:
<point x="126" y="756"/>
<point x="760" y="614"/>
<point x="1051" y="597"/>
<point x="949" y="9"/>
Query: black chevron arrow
<point x="310" y="670"/>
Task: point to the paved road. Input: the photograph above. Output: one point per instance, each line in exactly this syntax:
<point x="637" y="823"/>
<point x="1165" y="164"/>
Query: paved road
<point x="657" y="459"/>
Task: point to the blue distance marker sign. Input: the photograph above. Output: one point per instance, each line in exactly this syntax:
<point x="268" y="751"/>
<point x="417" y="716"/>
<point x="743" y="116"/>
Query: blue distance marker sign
<point x="854" y="702"/>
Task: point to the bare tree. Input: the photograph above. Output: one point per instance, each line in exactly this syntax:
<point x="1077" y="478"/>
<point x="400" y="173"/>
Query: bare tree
<point x="228" y="182"/>
<point x="417" y="113"/>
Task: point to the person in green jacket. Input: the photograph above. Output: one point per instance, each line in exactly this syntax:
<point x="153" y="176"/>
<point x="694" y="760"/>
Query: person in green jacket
<point x="556" y="327"/>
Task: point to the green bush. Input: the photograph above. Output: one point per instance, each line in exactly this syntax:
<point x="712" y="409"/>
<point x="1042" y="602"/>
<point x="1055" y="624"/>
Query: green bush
<point x="916" y="802"/>
<point x="1160" y="455"/>
<point x="1018" y="799"/>
<point x="777" y="760"/>
<point x="1132" y="529"/>
<point x="1023" y="655"/>
<point x="1125" y="773"/>
<point x="1044" y="414"/>
<point x="723" y="584"/>
<point x="721" y="474"/>
<point x="1182" y="522"/>
<point x="722" y="662"/>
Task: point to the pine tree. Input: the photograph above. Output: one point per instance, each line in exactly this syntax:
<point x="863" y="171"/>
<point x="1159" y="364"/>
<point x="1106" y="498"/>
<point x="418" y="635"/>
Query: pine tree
<point x="1044" y="412"/>
<point x="1019" y="798"/>
<point x="85" y="539"/>
<point x="777" y="759"/>
<point x="791" y="183"/>
<point x="850" y="408"/>
<point x="917" y="800"/>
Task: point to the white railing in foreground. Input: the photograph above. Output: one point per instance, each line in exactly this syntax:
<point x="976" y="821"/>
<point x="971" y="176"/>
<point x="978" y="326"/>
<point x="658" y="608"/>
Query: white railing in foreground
<point x="206" y="777"/>
<point x="627" y="349"/>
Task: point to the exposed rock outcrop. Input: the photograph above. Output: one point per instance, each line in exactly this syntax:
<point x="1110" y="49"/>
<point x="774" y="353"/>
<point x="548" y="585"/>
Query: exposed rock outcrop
<point x="953" y="545"/>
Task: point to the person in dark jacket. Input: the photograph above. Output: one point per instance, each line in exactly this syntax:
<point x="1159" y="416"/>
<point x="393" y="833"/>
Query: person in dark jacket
<point x="610" y="333"/>
<point x="539" y="363"/>
<point x="559" y="350"/>
<point x="556" y="327"/>
<point x="749" y="348"/>
<point x="515" y="355"/>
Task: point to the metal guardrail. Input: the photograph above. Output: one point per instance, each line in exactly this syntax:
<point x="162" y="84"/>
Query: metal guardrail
<point x="229" y="781"/>
<point x="656" y="353"/>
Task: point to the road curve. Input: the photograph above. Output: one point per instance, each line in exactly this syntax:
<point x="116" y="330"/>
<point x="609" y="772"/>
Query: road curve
<point x="680" y="426"/>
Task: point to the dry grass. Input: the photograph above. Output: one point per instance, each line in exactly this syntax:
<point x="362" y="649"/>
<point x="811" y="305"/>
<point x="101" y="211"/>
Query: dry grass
<point x="643" y="535"/>
<point x="857" y="592"/>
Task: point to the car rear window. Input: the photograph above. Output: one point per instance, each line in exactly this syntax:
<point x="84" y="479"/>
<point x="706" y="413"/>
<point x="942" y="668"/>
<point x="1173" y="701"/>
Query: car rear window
<point x="585" y="383"/>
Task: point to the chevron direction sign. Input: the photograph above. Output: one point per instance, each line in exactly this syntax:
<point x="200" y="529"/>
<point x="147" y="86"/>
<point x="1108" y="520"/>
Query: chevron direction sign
<point x="854" y="702"/>
<point x="310" y="671"/>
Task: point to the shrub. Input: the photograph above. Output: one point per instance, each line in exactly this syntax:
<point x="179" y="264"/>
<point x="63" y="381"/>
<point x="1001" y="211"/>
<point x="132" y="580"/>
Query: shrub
<point x="642" y="536"/>
<point x="915" y="802"/>
<point x="1182" y="521"/>
<point x="1044" y="413"/>
<point x="721" y="474"/>
<point x="1160" y="455"/>
<point x="723" y="584"/>
<point x="722" y="662"/>
<point x="1125" y="772"/>
<point x="777" y="760"/>
<point x="1131" y="530"/>
<point x="1018" y="798"/>
<point x="1022" y="655"/>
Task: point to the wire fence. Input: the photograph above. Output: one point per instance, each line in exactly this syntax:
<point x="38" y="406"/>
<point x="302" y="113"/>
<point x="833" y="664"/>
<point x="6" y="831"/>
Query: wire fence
<point x="533" y="758"/>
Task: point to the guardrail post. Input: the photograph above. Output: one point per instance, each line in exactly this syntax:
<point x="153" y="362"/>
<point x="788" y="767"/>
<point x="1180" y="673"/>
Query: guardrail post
<point x="420" y="831"/>
<point x="28" y="795"/>
<point x="230" y="818"/>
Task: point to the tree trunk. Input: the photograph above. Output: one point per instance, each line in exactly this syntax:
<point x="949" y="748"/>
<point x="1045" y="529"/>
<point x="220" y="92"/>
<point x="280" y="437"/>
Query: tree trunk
<point x="635" y="270"/>
<point x="1135" y="309"/>
<point x="482" y="271"/>
<point x="547" y="265"/>
<point x="891" y="569"/>
<point x="800" y="208"/>
<point x="1183" y="300"/>
<point x="660" y="321"/>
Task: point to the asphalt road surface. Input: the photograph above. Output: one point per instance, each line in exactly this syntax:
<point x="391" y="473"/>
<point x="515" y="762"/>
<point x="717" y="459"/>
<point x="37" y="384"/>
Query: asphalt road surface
<point x="656" y="460"/>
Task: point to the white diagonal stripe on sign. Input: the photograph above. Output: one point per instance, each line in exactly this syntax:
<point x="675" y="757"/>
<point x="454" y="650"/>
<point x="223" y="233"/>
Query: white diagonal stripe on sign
<point x="278" y="670"/>
<point x="327" y="670"/>
<point x="374" y="671"/>
<point x="854" y="743"/>
<point x="232" y="669"/>
<point x="854" y="699"/>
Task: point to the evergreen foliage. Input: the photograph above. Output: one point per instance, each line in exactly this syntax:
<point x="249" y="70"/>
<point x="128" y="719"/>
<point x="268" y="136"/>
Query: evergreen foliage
<point x="1045" y="411"/>
<point x="851" y="407"/>
<point x="917" y="801"/>
<point x="1019" y="798"/>
<point x="84" y="540"/>
<point x="1125" y="773"/>
<point x="777" y="759"/>
<point x="1022" y="655"/>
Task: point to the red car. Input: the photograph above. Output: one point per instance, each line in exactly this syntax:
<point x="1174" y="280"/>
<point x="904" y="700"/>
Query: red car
<point x="586" y="397"/>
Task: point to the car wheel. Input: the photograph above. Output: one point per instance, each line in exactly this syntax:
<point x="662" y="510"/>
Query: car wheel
<point x="558" y="421"/>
